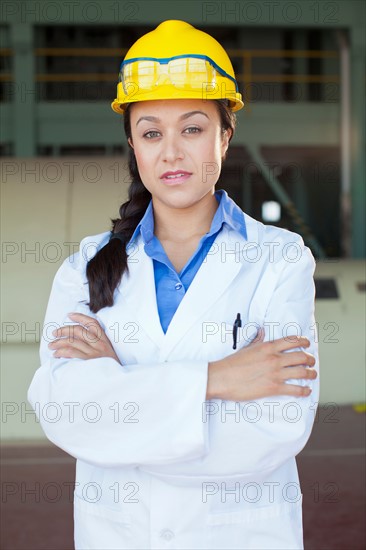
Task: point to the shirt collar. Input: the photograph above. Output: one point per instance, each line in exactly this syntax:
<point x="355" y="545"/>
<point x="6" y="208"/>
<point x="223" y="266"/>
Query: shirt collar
<point x="228" y="212"/>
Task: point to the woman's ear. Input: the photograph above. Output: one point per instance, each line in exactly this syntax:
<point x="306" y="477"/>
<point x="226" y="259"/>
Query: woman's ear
<point x="130" y="142"/>
<point x="226" y="136"/>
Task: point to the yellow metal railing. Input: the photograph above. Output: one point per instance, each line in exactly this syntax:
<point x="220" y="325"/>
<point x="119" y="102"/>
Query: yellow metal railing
<point x="246" y="78"/>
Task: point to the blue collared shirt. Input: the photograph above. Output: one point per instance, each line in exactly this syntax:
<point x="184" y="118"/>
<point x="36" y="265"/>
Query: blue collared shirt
<point x="171" y="286"/>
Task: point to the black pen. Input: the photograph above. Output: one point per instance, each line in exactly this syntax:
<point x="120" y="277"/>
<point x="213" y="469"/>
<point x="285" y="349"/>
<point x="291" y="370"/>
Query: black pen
<point x="237" y="323"/>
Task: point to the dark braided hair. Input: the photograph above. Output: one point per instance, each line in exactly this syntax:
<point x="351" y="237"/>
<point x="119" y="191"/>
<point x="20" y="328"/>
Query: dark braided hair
<point x="105" y="270"/>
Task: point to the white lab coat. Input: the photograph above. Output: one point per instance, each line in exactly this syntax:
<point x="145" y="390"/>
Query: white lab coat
<point x="158" y="467"/>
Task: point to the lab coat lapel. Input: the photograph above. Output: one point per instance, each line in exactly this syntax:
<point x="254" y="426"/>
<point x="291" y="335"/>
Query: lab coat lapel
<point x="137" y="292"/>
<point x="216" y="273"/>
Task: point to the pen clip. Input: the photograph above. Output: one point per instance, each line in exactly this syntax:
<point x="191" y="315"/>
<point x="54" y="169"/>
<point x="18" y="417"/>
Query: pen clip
<point x="237" y="324"/>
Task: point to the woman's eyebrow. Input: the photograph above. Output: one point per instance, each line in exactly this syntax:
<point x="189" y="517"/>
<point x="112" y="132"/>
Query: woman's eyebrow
<point x="191" y="113"/>
<point x="182" y="117"/>
<point x="148" y="118"/>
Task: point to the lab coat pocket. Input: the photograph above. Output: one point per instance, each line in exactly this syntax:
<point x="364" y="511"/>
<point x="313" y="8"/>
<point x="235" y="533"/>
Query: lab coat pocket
<point x="272" y="527"/>
<point x="97" y="526"/>
<point x="218" y="337"/>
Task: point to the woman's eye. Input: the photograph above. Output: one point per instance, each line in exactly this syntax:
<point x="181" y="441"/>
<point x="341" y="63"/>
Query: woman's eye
<point x="152" y="134"/>
<point x="193" y="130"/>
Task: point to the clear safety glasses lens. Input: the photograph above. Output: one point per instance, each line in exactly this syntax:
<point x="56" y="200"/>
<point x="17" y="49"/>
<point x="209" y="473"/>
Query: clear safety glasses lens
<point x="183" y="73"/>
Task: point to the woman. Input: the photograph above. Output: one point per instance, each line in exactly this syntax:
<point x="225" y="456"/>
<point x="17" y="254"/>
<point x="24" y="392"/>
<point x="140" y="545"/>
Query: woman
<point x="181" y="442"/>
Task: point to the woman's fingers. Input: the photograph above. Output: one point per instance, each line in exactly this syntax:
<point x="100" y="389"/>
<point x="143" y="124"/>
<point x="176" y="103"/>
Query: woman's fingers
<point x="85" y="321"/>
<point x="88" y="322"/>
<point x="298" y="372"/>
<point x="295" y="358"/>
<point x="70" y="352"/>
<point x="287" y="343"/>
<point x="78" y="332"/>
<point x="295" y="391"/>
<point x="263" y="370"/>
<point x="86" y="340"/>
<point x="71" y="343"/>
<point x="88" y="330"/>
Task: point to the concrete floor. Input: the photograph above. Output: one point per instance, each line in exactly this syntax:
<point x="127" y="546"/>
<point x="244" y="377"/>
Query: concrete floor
<point x="37" y="488"/>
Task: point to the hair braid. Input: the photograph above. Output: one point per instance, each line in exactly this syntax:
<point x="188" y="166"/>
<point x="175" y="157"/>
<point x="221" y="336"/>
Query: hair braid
<point x="105" y="270"/>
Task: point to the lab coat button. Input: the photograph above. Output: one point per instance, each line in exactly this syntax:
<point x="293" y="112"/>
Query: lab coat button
<point x="167" y="534"/>
<point x="178" y="286"/>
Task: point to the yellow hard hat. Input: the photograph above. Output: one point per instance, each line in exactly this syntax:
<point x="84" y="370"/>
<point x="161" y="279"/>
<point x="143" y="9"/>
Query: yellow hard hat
<point x="176" y="61"/>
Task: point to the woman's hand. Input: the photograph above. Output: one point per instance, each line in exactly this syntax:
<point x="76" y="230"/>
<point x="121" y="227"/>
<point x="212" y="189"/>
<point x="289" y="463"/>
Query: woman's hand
<point x="261" y="370"/>
<point x="86" y="340"/>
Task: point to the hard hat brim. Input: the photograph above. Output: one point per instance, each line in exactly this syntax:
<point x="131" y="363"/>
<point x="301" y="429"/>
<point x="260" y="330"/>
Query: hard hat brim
<point x="169" y="92"/>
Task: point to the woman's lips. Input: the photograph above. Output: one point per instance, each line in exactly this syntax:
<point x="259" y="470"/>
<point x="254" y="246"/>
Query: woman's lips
<point x="174" y="178"/>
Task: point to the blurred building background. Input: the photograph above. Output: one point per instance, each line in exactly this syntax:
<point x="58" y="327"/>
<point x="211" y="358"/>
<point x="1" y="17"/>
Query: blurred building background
<point x="297" y="160"/>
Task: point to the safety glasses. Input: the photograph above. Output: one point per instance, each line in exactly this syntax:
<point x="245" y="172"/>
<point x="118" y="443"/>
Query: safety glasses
<point x="188" y="72"/>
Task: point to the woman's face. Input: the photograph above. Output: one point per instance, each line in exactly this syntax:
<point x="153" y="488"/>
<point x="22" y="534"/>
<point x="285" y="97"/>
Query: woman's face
<point x="178" y="146"/>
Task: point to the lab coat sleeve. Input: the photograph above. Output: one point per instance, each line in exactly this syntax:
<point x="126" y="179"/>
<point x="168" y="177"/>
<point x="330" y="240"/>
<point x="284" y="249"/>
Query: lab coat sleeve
<point x="259" y="436"/>
<point x="285" y="422"/>
<point x="111" y="415"/>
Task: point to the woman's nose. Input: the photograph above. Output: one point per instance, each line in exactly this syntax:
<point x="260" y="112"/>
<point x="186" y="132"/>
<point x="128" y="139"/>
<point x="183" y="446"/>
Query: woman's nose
<point x="172" y="149"/>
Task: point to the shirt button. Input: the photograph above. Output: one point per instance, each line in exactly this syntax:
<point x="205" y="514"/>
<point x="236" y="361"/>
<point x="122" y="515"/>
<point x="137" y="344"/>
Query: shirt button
<point x="167" y="534"/>
<point x="178" y="286"/>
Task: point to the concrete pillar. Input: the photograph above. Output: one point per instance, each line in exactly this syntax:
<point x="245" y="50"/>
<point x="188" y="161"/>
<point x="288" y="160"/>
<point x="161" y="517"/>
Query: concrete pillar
<point x="358" y="140"/>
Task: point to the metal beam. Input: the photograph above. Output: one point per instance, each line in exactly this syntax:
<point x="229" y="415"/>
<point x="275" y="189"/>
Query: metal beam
<point x="286" y="202"/>
<point x="23" y="104"/>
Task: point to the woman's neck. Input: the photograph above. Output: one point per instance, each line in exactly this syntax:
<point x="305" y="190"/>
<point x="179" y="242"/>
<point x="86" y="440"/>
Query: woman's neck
<point x="180" y="225"/>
